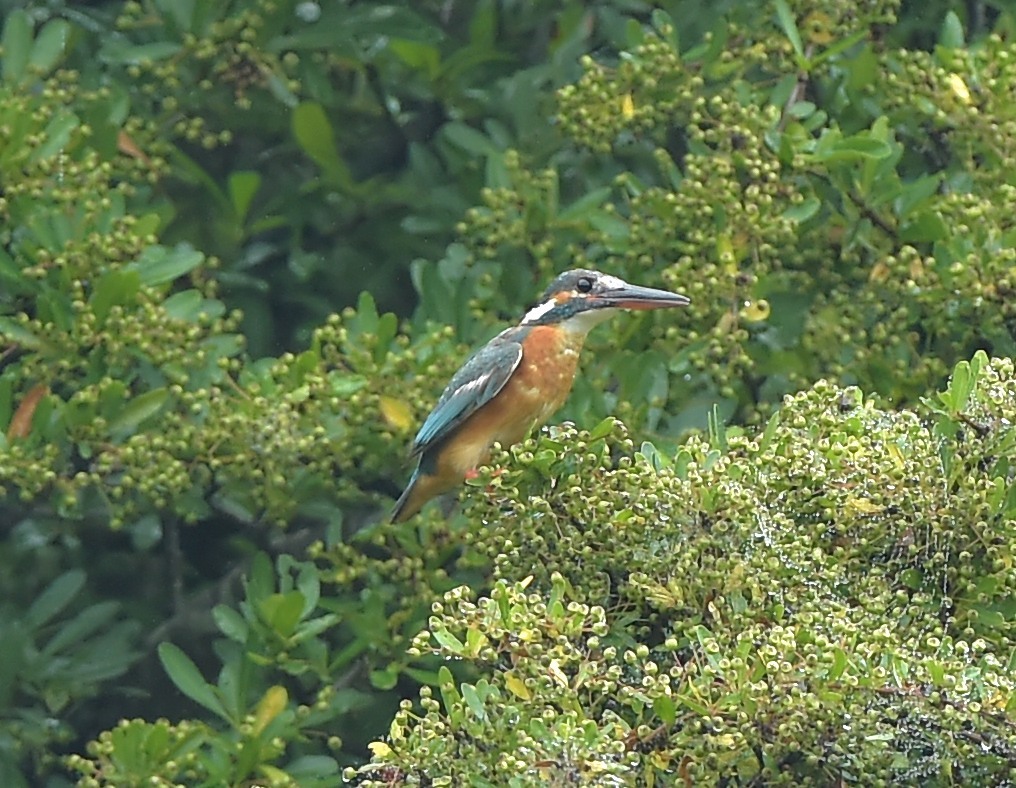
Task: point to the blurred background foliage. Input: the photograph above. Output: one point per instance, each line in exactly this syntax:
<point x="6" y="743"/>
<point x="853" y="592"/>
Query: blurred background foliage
<point x="245" y="244"/>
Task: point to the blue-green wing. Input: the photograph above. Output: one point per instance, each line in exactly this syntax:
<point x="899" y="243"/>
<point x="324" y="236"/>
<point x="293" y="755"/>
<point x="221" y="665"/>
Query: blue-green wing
<point x="478" y="381"/>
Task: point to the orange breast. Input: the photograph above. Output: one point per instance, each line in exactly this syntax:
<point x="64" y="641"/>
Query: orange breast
<point x="537" y="388"/>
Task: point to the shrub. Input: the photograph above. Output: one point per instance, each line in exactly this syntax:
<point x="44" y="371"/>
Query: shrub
<point x="829" y="599"/>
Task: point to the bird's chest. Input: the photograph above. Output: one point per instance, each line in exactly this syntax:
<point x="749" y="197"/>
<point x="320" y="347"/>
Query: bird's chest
<point x="544" y="377"/>
<point x="538" y="387"/>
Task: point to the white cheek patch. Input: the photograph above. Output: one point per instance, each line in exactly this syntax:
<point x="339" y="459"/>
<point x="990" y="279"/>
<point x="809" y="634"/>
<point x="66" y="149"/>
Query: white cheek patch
<point x="539" y="311"/>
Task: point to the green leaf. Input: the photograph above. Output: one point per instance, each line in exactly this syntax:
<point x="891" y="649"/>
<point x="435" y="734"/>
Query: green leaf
<point x="55" y="598"/>
<point x="950" y="35"/>
<point x="114" y="288"/>
<point x="769" y="434"/>
<point x="158" y="265"/>
<point x="957" y="393"/>
<point x="117" y="51"/>
<point x="57" y="134"/>
<point x="926" y="227"/>
<point x="483" y="25"/>
<point x="189" y="305"/>
<point x="278" y="86"/>
<point x="469" y="139"/>
<point x="473" y="701"/>
<point x="80" y="627"/>
<point x="603" y="429"/>
<point x="634" y="34"/>
<point x="242" y="188"/>
<point x="282" y="612"/>
<point x="50" y="45"/>
<point x="145" y="532"/>
<point x="665" y="709"/>
<point x="780" y="94"/>
<point x="448" y="640"/>
<point x="418" y="55"/>
<point x="852" y="148"/>
<point x="663" y="24"/>
<point x="314" y="134"/>
<point x="188" y="679"/>
<point x="804" y="210"/>
<point x="142" y="407"/>
<point x="916" y="194"/>
<point x="367" y="318"/>
<point x="17" y="45"/>
<point x="839" y="663"/>
<point x="230" y="623"/>
<point x="585" y="204"/>
<point x="6" y="403"/>
<point x="385" y="679"/>
<point x="14" y="332"/>
<point x="789" y="25"/>
<point x="610" y="225"/>
<point x="12" y="279"/>
<point x="181" y="12"/>
<point x="449" y="696"/>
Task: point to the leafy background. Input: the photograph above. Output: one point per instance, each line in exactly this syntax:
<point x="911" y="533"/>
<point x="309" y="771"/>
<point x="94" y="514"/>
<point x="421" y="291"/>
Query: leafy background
<point x="244" y="246"/>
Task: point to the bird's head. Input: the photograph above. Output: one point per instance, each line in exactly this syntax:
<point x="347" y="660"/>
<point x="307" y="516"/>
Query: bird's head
<point x="579" y="299"/>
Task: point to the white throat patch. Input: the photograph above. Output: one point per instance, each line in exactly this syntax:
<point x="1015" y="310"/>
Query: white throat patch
<point x="583" y="322"/>
<point x="539" y="311"/>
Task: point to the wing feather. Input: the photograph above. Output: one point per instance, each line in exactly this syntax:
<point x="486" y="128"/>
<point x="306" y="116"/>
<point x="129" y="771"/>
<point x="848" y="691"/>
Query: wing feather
<point x="476" y="383"/>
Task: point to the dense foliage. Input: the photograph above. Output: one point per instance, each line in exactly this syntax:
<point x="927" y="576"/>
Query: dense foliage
<point x="245" y="244"/>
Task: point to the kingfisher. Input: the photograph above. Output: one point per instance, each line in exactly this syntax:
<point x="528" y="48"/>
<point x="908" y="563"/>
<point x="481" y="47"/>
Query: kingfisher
<point x="516" y="381"/>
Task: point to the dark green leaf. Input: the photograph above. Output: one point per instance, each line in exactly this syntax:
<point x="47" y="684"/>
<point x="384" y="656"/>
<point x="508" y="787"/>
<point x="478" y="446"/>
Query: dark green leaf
<point x="789" y="25"/>
<point x="230" y="623"/>
<point x="417" y="55"/>
<point x="80" y="627"/>
<point x="119" y="51"/>
<point x="803" y="210"/>
<point x="603" y="429"/>
<point x="384" y="679"/>
<point x="14" y="332"/>
<point x="142" y="407"/>
<point x="145" y="532"/>
<point x="473" y="701"/>
<point x="950" y="35"/>
<point x="483" y="25"/>
<point x="282" y="612"/>
<point x="448" y="640"/>
<point x="180" y="11"/>
<point x="242" y="188"/>
<point x="926" y="227"/>
<point x="17" y="45"/>
<point x="114" y="288"/>
<point x="313" y="132"/>
<point x="469" y="139"/>
<point x="188" y="679"/>
<point x="50" y="45"/>
<point x="585" y="204"/>
<point x="57" y="134"/>
<point x="189" y="305"/>
<point x="158" y="265"/>
<point x="665" y="709"/>
<point x="55" y="598"/>
<point x="853" y="149"/>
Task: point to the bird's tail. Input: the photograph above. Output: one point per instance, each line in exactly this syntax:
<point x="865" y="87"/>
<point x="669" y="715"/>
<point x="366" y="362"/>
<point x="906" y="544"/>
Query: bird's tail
<point x="421" y="488"/>
<point x="416" y="494"/>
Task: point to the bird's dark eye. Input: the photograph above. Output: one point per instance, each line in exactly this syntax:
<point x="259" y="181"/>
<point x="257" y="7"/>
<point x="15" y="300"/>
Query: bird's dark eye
<point x="584" y="285"/>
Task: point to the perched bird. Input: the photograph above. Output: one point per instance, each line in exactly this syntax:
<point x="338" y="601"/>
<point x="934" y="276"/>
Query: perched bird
<point x="516" y="381"/>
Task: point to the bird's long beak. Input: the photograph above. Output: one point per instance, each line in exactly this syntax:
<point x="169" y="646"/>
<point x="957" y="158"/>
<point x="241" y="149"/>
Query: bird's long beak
<point x="627" y="296"/>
